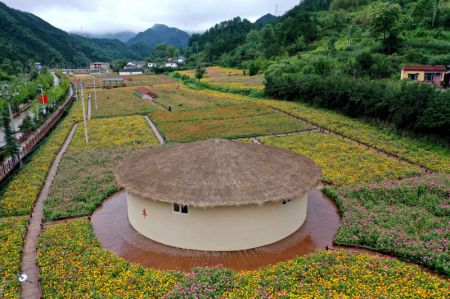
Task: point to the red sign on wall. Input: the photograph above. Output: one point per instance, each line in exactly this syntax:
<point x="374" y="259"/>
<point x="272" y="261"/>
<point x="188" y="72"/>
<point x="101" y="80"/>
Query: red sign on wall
<point x="144" y="213"/>
<point x="43" y="99"/>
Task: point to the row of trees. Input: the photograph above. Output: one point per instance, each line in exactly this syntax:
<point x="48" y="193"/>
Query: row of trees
<point x="408" y="105"/>
<point x="28" y="91"/>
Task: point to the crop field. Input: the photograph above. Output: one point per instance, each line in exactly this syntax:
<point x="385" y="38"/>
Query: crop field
<point x="85" y="175"/>
<point x="18" y="196"/>
<point x="228" y="110"/>
<point x="84" y="180"/>
<point x="12" y="233"/>
<point x="409" y="218"/>
<point x="387" y="206"/>
<point x="69" y="251"/>
<point x="178" y="97"/>
<point x="119" y="102"/>
<point x="193" y="130"/>
<point x="342" y="162"/>
<point x="113" y="132"/>
<point x="230" y="78"/>
<point x="415" y="150"/>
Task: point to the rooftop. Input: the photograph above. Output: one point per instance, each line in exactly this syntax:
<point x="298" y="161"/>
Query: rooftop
<point x="113" y="79"/>
<point x="218" y="173"/>
<point x="437" y="68"/>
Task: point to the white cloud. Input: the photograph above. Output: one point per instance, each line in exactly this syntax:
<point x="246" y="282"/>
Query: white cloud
<point x="105" y="16"/>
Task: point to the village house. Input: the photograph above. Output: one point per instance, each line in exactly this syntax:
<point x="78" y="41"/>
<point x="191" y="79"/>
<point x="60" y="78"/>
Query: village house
<point x="436" y="75"/>
<point x="135" y="65"/>
<point x="38" y="66"/>
<point x="171" y="64"/>
<point x="131" y="71"/>
<point x="99" y="66"/>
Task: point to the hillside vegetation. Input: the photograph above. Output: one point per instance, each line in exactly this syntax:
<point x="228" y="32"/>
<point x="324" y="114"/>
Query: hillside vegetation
<point x="345" y="55"/>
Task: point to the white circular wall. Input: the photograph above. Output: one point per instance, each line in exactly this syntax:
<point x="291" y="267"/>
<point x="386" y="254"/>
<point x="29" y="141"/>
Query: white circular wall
<point x="219" y="228"/>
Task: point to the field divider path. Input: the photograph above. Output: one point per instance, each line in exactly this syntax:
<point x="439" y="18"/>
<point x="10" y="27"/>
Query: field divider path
<point x="31" y="288"/>
<point x="65" y="220"/>
<point x="155" y="130"/>
<point x="369" y="147"/>
<point x="301" y="132"/>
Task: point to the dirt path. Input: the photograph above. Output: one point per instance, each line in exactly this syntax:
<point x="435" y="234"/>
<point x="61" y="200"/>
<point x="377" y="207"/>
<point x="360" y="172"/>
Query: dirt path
<point x="155" y="130"/>
<point x="29" y="267"/>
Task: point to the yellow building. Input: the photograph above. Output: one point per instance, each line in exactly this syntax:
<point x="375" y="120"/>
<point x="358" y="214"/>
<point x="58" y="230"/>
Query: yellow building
<point x="426" y="73"/>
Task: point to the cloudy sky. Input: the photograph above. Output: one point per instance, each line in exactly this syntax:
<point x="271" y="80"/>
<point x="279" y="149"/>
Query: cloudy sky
<point x="106" y="16"/>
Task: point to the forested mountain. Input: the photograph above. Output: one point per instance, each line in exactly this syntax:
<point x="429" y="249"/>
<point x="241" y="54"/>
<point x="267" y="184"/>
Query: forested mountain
<point x="345" y="55"/>
<point x="25" y="39"/>
<point x="222" y="38"/>
<point x="339" y="33"/>
<point x="162" y="34"/>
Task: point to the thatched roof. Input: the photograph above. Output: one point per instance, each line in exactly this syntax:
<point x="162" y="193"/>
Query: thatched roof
<point x="218" y="173"/>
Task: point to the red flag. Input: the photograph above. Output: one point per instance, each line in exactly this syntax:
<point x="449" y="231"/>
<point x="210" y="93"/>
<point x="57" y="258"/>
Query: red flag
<point x="43" y="99"/>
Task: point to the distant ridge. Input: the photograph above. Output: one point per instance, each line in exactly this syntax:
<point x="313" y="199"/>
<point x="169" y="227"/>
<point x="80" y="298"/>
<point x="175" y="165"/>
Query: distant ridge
<point x="123" y="36"/>
<point x="26" y="38"/>
<point x="266" y="19"/>
<point x="162" y="34"/>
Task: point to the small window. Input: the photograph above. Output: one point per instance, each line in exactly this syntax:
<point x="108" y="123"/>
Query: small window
<point x="432" y="76"/>
<point x="180" y="209"/>
<point x="286" y="201"/>
<point x="413" y="76"/>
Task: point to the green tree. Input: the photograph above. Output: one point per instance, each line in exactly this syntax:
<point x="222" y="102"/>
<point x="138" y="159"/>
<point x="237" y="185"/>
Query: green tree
<point x="386" y="20"/>
<point x="332" y="45"/>
<point x="269" y="42"/>
<point x="343" y="4"/>
<point x="27" y="125"/>
<point x="12" y="146"/>
<point x="199" y="72"/>
<point x="119" y="64"/>
<point x="253" y="68"/>
<point x="423" y="11"/>
<point x="170" y="51"/>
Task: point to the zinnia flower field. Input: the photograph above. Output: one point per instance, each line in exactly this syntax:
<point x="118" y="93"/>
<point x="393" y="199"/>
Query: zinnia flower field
<point x="395" y="215"/>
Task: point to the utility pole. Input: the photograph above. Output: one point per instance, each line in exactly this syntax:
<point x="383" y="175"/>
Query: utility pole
<point x="435" y="12"/>
<point x="95" y="94"/>
<point x="84" y="114"/>
<point x="8" y="95"/>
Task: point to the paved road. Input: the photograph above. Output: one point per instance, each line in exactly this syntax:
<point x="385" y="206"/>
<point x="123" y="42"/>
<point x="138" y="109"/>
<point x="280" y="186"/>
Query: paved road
<point x="55" y="79"/>
<point x="19" y="119"/>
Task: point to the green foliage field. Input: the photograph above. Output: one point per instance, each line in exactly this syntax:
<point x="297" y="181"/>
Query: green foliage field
<point x="408" y="219"/>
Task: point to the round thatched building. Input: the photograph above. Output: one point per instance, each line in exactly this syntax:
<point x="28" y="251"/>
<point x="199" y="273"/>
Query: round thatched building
<point x="217" y="195"/>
